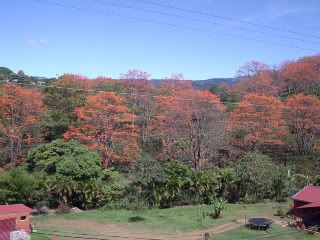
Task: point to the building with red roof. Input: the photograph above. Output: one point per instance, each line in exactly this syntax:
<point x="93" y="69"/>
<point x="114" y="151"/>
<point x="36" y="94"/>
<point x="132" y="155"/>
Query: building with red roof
<point x="307" y="205"/>
<point x="14" y="217"/>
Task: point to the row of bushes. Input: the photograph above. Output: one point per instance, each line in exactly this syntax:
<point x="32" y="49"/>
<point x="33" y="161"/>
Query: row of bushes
<point x="68" y="173"/>
<point x="253" y="178"/>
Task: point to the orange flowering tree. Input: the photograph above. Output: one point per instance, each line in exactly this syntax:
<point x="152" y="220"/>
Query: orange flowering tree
<point x="106" y="125"/>
<point x="258" y="120"/>
<point x="174" y="84"/>
<point x="140" y="90"/>
<point x="257" y="77"/>
<point x="301" y="75"/>
<point x="21" y="111"/>
<point x="303" y="120"/>
<point x="191" y="123"/>
<point x="263" y="83"/>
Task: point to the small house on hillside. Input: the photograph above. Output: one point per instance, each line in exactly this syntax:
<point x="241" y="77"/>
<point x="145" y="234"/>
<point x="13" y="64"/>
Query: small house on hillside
<point x="307" y="205"/>
<point x="14" y="217"/>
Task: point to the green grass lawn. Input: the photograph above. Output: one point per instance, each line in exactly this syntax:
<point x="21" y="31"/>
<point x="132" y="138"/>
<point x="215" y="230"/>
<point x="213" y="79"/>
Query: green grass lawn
<point x="35" y="236"/>
<point x="173" y="219"/>
<point x="275" y="233"/>
<point x="181" y="219"/>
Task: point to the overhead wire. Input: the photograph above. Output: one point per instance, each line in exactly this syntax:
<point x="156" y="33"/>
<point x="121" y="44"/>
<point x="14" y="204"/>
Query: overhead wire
<point x="203" y="21"/>
<point x="228" y="18"/>
<point x="172" y="25"/>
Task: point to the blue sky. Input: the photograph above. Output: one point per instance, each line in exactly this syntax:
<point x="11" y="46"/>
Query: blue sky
<point x="48" y="40"/>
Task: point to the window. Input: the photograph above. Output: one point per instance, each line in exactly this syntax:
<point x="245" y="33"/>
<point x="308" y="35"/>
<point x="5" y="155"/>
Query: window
<point x="23" y="218"/>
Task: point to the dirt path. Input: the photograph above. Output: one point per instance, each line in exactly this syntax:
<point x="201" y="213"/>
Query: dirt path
<point x="93" y="229"/>
<point x="195" y="235"/>
<point x="279" y="222"/>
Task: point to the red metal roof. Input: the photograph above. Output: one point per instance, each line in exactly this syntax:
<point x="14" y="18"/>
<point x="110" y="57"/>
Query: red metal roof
<point x="309" y="194"/>
<point x="14" y="208"/>
<point x="311" y="205"/>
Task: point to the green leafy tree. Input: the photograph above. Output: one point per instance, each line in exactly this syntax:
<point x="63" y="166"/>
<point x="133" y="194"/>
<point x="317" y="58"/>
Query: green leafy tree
<point x="73" y="174"/>
<point x="149" y="177"/>
<point x="205" y="185"/>
<point x="315" y="90"/>
<point x="61" y="100"/>
<point x="70" y="159"/>
<point x="214" y="89"/>
<point x="227" y="179"/>
<point x="255" y="176"/>
<point x="6" y="73"/>
<point x="298" y="181"/>
<point x="163" y="185"/>
<point x="17" y="186"/>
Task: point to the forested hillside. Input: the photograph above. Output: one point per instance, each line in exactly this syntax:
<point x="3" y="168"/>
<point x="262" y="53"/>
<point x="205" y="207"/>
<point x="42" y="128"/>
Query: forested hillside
<point x="85" y="142"/>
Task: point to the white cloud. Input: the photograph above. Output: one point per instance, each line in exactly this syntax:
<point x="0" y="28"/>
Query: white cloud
<point x="37" y="42"/>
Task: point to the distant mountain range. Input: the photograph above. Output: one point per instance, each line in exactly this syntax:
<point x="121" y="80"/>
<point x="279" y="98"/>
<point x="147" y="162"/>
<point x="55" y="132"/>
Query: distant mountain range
<point x="204" y="84"/>
<point x="9" y="76"/>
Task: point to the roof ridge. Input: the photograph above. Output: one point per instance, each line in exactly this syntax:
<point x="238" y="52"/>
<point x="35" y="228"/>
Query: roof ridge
<point x="308" y="194"/>
<point x="14" y="208"/>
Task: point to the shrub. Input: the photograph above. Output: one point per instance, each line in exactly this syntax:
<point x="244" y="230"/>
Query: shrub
<point x="218" y="205"/>
<point x="175" y="183"/>
<point x="317" y="180"/>
<point x="280" y="212"/>
<point x="136" y="219"/>
<point x="259" y="178"/>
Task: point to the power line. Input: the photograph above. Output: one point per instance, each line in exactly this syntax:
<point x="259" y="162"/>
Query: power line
<point x="172" y="25"/>
<point x="228" y="18"/>
<point x="204" y="21"/>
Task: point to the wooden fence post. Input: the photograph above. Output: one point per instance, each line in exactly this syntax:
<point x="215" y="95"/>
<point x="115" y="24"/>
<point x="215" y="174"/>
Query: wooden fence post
<point x="206" y="236"/>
